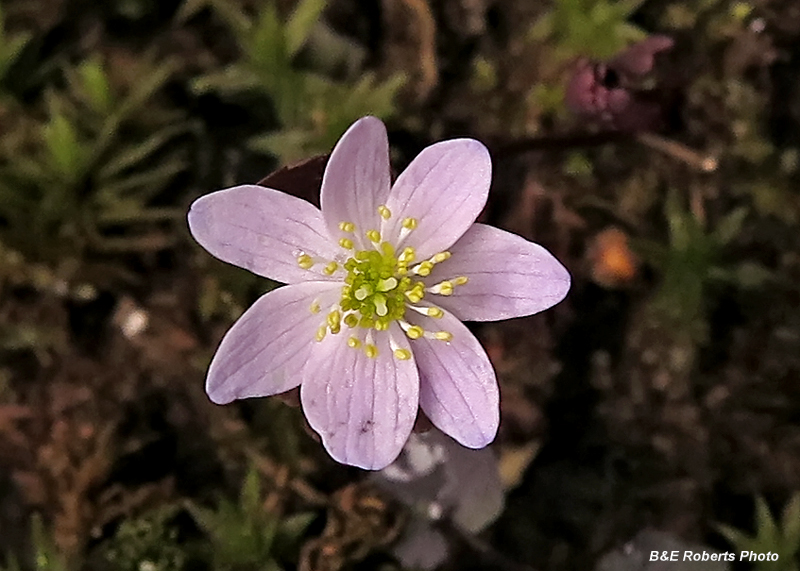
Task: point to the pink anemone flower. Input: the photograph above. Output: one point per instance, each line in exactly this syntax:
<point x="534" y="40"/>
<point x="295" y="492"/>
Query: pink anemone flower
<point x="379" y="280"/>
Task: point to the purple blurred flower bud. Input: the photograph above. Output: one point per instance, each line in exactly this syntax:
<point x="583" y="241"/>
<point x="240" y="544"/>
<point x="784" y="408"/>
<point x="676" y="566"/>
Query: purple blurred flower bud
<point x="607" y="93"/>
<point x="639" y="58"/>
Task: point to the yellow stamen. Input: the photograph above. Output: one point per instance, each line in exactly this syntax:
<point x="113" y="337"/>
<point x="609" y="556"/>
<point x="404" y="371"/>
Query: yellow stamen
<point x="423" y="269"/>
<point x="334" y="319"/>
<point x="443" y="336"/>
<point x="371" y="350"/>
<point x="347" y="227"/>
<point x="353" y="343"/>
<point x="373" y="236"/>
<point x="387" y="249"/>
<point x="408" y="255"/>
<point x="330" y="269"/>
<point x="346" y="243"/>
<point x="460" y="280"/>
<point x="402" y="354"/>
<point x="442" y="288"/>
<point x="321" y="333"/>
<point x="435" y="312"/>
<point x="441" y="257"/>
<point x="351" y="320"/>
<point x="409" y="223"/>
<point x="315" y="307"/>
<point x="415" y="332"/>
<point x="305" y="261"/>
<point x="384" y="212"/>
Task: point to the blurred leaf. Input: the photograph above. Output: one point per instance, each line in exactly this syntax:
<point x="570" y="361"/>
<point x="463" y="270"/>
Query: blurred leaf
<point x="93" y="83"/>
<point x="10" y="48"/>
<point x="45" y="554"/>
<point x="730" y="226"/>
<point x="66" y="154"/>
<point x="301" y="22"/>
<point x="790" y="521"/>
<point x="131" y="155"/>
<point x="766" y="527"/>
<point x="145" y="184"/>
<point x="145" y="88"/>
<point x="244" y="535"/>
<point x="232" y="79"/>
<point x="783" y="539"/>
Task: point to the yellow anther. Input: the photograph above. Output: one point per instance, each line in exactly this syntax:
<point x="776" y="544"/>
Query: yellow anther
<point x="441" y="257"/>
<point x="334" y="319"/>
<point x="321" y="333"/>
<point x="413" y="296"/>
<point x="371" y="350"/>
<point x="373" y="236"/>
<point x="443" y="288"/>
<point x="460" y="280"/>
<point x="353" y="343"/>
<point x="315" y="307"/>
<point x="435" y="312"/>
<point x="402" y="354"/>
<point x="381" y="325"/>
<point x="423" y="269"/>
<point x="346" y="243"/>
<point x="415" y="332"/>
<point x="387" y="249"/>
<point x="351" y="320"/>
<point x="408" y="255"/>
<point x="347" y="227"/>
<point x="409" y="223"/>
<point x="330" y="269"/>
<point x="384" y="212"/>
<point x="305" y="261"/>
<point x="443" y="336"/>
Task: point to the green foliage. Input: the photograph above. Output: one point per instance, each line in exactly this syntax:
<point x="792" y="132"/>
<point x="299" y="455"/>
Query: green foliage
<point x="244" y="535"/>
<point x="147" y="543"/>
<point x="781" y="537"/>
<point x="45" y="554"/>
<point x="67" y="178"/>
<point x="10" y="49"/>
<point x="312" y="109"/>
<point x="692" y="260"/>
<point x="590" y="28"/>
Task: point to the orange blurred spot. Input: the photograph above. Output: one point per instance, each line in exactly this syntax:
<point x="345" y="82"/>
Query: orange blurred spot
<point x="613" y="264"/>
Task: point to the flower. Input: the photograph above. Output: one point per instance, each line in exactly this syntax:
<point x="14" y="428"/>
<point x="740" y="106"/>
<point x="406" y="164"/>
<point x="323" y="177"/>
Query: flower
<point x="608" y="92"/>
<point x="379" y="280"/>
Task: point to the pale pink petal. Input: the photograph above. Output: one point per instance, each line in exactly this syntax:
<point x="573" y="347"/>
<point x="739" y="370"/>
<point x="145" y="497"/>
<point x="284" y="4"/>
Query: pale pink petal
<point x="357" y="179"/>
<point x="444" y="188"/>
<point x="262" y="230"/>
<point x="508" y="276"/>
<point x="363" y="408"/>
<point x="264" y="352"/>
<point x="458" y="390"/>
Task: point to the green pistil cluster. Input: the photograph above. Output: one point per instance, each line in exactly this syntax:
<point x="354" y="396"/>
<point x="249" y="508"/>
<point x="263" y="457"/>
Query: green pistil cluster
<point x="376" y="288"/>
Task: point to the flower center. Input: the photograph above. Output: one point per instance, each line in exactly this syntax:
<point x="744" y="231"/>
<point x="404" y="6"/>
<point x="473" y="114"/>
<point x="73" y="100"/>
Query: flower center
<point x="376" y="286"/>
<point x="379" y="286"/>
